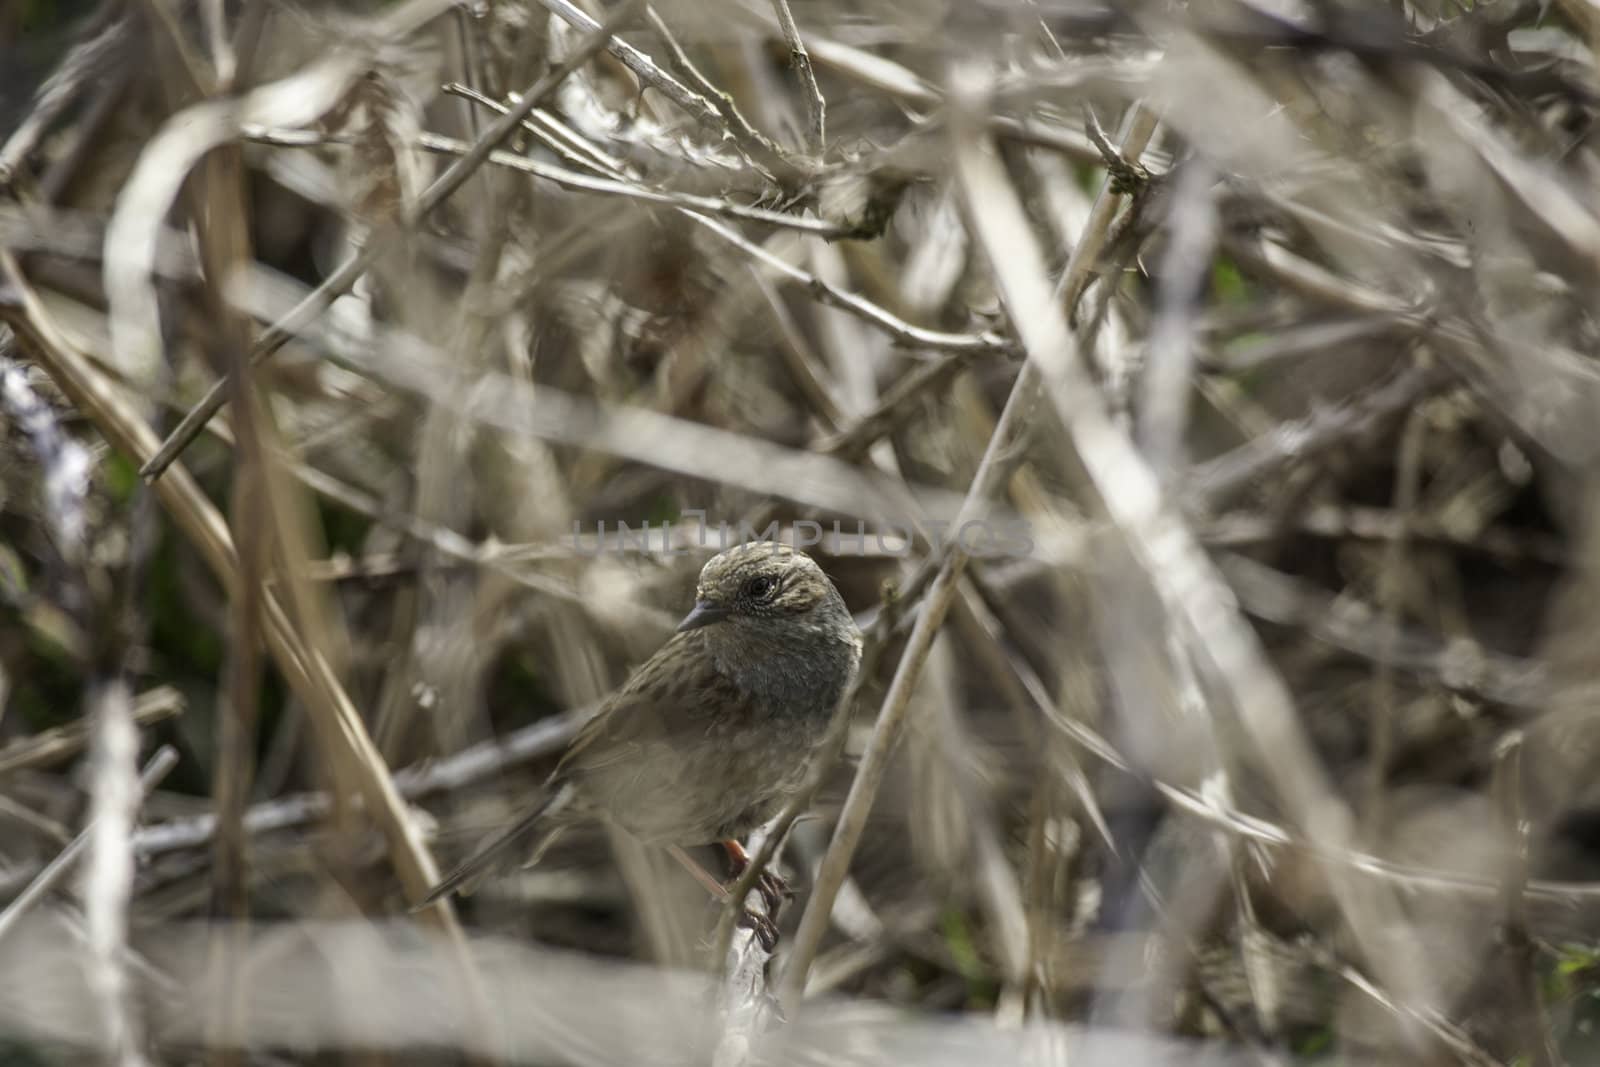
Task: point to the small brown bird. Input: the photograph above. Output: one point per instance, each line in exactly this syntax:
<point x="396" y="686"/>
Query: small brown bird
<point x="714" y="733"/>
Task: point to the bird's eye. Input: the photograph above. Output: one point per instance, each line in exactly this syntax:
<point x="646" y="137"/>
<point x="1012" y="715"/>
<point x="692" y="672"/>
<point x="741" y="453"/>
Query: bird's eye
<point x="761" y="587"/>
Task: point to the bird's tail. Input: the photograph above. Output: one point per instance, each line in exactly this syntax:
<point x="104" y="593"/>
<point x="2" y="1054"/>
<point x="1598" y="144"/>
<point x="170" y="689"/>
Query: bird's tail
<point x="520" y="844"/>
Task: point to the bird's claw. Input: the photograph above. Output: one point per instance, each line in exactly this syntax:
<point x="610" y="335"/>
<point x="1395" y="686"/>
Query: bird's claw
<point x="774" y="890"/>
<point x="770" y="884"/>
<point x="762" y="926"/>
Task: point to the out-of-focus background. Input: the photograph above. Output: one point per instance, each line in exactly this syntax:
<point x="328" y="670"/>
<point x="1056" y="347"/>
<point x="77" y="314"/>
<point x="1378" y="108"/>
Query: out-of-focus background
<point x="1197" y="404"/>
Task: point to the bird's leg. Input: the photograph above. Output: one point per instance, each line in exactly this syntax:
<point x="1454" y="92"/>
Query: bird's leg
<point x="773" y="889"/>
<point x="765" y="929"/>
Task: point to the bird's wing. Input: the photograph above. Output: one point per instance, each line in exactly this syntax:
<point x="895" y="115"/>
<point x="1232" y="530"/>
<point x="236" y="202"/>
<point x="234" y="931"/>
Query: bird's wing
<point x="671" y="700"/>
<point x="658" y="719"/>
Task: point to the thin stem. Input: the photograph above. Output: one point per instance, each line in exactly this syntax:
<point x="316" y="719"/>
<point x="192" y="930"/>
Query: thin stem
<point x="800" y="59"/>
<point x="340" y="281"/>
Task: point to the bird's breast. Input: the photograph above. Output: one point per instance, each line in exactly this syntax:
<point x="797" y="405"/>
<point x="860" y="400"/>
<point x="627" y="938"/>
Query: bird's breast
<point x="801" y="681"/>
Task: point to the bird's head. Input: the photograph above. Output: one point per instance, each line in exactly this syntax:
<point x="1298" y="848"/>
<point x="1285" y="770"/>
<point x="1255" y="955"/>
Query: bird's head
<point x="763" y="582"/>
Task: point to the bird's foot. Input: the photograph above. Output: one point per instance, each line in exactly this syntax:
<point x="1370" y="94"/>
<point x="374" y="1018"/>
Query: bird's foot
<point x="762" y="926"/>
<point x="774" y="890"/>
<point x="771" y="885"/>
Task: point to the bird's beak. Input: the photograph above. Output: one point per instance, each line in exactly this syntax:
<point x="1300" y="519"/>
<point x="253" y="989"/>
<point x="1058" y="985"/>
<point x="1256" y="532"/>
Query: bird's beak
<point x="704" y="614"/>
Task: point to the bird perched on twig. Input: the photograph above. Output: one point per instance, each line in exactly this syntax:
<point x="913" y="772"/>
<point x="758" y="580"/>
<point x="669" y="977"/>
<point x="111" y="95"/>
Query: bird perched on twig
<point x="714" y="733"/>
